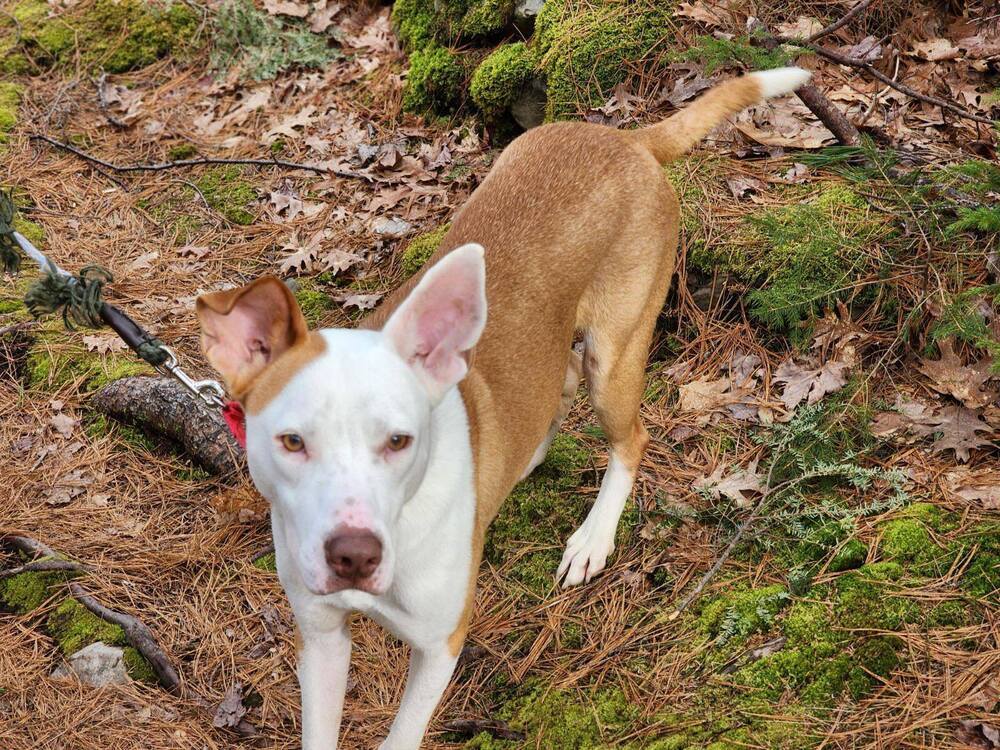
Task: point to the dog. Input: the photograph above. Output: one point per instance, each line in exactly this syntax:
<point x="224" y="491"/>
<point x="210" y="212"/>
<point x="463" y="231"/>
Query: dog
<point x="385" y="451"/>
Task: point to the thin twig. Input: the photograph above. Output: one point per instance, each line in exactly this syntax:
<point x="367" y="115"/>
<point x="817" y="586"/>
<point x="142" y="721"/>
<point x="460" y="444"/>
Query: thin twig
<point x="41" y="566"/>
<point x="846" y="19"/>
<point x="201" y="161"/>
<point x="140" y="636"/>
<point x="854" y="62"/>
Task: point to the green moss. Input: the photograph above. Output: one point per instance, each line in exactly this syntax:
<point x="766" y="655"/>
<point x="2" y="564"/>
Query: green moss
<point x="56" y="360"/>
<point x="113" y="35"/>
<point x="714" y="53"/>
<point x="741" y="612"/>
<point x="422" y="22"/>
<point x="557" y="720"/>
<point x="10" y="100"/>
<point x="435" y="80"/>
<point x="864" y="603"/>
<point x="98" y="425"/>
<point x="266" y="563"/>
<point x="137" y="667"/>
<point x="539" y="515"/>
<point x="421" y="248"/>
<point x="182" y="151"/>
<point x="950" y="614"/>
<point x="484" y="18"/>
<point x="908" y="539"/>
<point x="416" y="22"/>
<point x="27" y="592"/>
<point x="227" y="192"/>
<point x="851" y="555"/>
<point x="587" y="49"/>
<point x="73" y="626"/>
<point x="32" y="231"/>
<point x="982" y="576"/>
<point x="501" y="78"/>
<point x="314" y="304"/>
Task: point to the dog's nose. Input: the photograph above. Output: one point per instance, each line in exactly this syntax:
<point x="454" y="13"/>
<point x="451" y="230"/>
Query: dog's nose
<point x="353" y="554"/>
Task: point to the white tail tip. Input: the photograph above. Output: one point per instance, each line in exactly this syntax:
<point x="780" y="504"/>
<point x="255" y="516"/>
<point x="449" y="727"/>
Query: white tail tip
<point x="781" y="80"/>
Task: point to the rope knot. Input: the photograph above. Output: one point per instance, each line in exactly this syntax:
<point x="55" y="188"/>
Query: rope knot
<point x="80" y="298"/>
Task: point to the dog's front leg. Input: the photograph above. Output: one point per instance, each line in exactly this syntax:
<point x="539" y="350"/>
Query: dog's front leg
<point x="324" y="658"/>
<point x="430" y="670"/>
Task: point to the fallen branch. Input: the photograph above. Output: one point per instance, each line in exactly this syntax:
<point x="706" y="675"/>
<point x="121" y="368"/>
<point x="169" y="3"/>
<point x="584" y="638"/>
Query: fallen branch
<point x="183" y="163"/>
<point x="499" y="729"/>
<point x="162" y="405"/>
<point x="138" y="635"/>
<point x="855" y="62"/>
<point x="853" y="13"/>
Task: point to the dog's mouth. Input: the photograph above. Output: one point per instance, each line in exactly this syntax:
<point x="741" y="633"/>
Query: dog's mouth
<point x="374" y="584"/>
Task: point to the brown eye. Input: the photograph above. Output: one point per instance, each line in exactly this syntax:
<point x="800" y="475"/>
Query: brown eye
<point x="399" y="441"/>
<point x="292" y="443"/>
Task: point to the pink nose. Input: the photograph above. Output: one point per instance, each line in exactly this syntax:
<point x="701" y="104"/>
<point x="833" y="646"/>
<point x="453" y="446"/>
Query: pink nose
<point x="353" y="554"/>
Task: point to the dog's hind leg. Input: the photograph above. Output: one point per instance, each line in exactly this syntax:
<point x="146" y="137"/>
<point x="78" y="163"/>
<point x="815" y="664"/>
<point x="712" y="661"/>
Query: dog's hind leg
<point x="573" y="372"/>
<point x="617" y="336"/>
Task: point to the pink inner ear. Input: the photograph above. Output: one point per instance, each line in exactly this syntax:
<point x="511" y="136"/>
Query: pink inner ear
<point x="443" y="317"/>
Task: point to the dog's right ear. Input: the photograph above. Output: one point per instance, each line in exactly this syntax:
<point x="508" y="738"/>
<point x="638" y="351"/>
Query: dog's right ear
<point x="245" y="329"/>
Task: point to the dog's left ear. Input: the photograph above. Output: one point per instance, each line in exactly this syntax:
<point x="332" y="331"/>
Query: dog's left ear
<point x="442" y="319"/>
<point x="245" y="329"/>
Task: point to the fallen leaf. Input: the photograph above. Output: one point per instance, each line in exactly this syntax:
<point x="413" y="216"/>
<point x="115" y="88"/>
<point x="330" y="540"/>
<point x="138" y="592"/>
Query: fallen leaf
<point x="104" y="344"/>
<point x="144" y="261"/>
<point x="292" y="8"/>
<point x="803" y="27"/>
<point x="867" y="50"/>
<point x="289" y="125"/>
<point x="322" y="15"/>
<point x="982" y="486"/>
<point x="362" y="301"/>
<point x="67" y="487"/>
<point x="708" y="13"/>
<point x="935" y="50"/>
<point x="959" y="428"/>
<point x="966" y="383"/>
<point x="809" y="384"/>
<point x="732" y="486"/>
<point x="303" y="254"/>
<point x="231" y="712"/>
<point x="64" y="424"/>
<point x="337" y="261"/>
<point x="194" y="251"/>
<point x="742" y="186"/>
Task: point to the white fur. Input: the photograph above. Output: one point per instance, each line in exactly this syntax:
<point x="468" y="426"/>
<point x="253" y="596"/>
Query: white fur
<point x="781" y="80"/>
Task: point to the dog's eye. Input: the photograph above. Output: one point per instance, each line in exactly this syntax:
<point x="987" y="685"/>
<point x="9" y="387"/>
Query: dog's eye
<point x="292" y="443"/>
<point x="399" y="441"/>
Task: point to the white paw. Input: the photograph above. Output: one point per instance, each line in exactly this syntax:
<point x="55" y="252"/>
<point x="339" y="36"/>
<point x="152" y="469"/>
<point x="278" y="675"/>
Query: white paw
<point x="585" y="556"/>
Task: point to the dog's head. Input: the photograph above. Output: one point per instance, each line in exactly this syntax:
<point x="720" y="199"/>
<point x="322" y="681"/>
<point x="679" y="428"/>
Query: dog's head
<point x="338" y="420"/>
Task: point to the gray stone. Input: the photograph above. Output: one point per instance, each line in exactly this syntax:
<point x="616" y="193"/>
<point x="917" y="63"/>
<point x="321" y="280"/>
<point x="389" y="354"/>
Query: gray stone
<point x="527" y="8"/>
<point x="392" y="228"/>
<point x="528" y="109"/>
<point x="97" y="664"/>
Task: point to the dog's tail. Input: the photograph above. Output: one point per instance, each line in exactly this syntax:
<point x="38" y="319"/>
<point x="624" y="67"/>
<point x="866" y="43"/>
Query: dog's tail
<point x="678" y="134"/>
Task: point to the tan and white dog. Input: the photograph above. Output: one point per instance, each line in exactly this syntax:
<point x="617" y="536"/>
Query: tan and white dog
<point x="385" y="452"/>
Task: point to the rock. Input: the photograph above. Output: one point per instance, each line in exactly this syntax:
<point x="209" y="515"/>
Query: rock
<point x="527" y="8"/>
<point x="97" y="664"/>
<point x="391" y="228"/>
<point x="529" y="108"/>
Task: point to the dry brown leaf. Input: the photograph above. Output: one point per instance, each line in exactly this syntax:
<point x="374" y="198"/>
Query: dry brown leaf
<point x="703" y="11"/>
<point x="64" y="424"/>
<point x="294" y="8"/>
<point x="935" y="50"/>
<point x="965" y="382"/>
<point x="956" y="427"/>
<point x="362" y="301"/>
<point x="809" y="384"/>
<point x="732" y="486"/>
<point x="803" y="27"/>
<point x="974" y="486"/>
<point x="303" y="254"/>
<point x="104" y="344"/>
<point x="194" y="251"/>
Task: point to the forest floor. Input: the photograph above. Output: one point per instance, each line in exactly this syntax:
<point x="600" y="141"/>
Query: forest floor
<point x="827" y="355"/>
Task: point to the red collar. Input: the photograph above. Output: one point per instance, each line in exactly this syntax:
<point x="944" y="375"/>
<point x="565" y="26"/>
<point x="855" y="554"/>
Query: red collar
<point x="233" y="413"/>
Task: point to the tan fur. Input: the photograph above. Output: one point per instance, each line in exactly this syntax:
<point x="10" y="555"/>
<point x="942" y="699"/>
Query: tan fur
<point x="279" y="312"/>
<point x="580" y="231"/>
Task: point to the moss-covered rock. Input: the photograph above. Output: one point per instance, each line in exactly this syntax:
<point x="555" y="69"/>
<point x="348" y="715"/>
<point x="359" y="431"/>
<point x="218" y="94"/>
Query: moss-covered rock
<point x="27" y="592"/>
<point x="501" y="77"/>
<point x="10" y="100"/>
<point x="741" y="612"/>
<point x="113" y="35"/>
<point x="435" y="80"/>
<point x="73" y="626"/>
<point x="586" y="49"/>
<point x="421" y="22"/>
<point x="421" y="248"/>
<point x="226" y="190"/>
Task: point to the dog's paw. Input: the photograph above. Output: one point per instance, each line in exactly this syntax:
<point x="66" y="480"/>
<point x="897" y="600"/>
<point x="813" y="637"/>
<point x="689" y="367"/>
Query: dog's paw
<point x="586" y="555"/>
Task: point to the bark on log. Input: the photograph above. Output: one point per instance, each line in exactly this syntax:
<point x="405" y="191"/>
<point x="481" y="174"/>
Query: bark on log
<point x="163" y="406"/>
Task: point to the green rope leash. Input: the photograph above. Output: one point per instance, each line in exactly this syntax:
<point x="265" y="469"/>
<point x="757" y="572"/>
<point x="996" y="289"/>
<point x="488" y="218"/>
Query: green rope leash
<point x="79" y="298"/>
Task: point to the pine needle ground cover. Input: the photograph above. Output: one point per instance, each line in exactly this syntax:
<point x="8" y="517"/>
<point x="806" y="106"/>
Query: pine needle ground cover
<point x="829" y="350"/>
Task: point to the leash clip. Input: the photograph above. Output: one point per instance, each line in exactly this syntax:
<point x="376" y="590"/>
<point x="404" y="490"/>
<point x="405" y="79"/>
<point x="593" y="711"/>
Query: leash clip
<point x="210" y="392"/>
